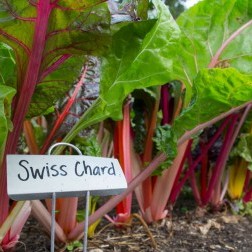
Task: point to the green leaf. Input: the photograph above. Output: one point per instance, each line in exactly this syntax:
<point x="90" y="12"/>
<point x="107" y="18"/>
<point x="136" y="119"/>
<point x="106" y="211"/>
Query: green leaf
<point x="6" y="95"/>
<point x="139" y="57"/>
<point x="72" y="28"/>
<point x="166" y="141"/>
<point x="136" y="61"/>
<point x="83" y="29"/>
<point x="55" y="86"/>
<point x="142" y="7"/>
<point x="89" y="146"/>
<point x="204" y="28"/>
<point x="7" y="65"/>
<point x="216" y="91"/>
<point x="16" y="32"/>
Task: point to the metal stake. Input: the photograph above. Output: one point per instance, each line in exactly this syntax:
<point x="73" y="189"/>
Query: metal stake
<point x="54" y="201"/>
<point x="53" y="221"/>
<point x="86" y="222"/>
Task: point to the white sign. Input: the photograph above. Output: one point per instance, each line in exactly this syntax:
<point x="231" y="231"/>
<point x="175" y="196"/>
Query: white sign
<point x="38" y="176"/>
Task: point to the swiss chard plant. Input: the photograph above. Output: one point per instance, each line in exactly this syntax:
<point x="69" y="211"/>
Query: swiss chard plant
<point x="49" y="42"/>
<point x="212" y="61"/>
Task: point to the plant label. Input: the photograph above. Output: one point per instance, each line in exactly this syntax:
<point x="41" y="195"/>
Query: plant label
<point x="38" y="176"/>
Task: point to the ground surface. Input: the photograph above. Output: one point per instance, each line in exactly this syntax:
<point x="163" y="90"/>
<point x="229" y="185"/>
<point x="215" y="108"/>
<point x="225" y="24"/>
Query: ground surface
<point x="184" y="231"/>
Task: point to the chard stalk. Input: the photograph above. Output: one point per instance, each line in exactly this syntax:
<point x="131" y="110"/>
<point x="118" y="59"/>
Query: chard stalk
<point x="231" y="141"/>
<point x="147" y="186"/>
<point x="30" y="137"/>
<point x="217" y="173"/>
<point x="64" y="113"/>
<point x="123" y="152"/>
<point x="165" y="183"/>
<point x="193" y="164"/>
<point x="5" y="227"/>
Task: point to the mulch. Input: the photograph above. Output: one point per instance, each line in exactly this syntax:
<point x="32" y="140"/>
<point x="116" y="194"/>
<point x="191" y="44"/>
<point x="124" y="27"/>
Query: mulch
<point x="191" y="230"/>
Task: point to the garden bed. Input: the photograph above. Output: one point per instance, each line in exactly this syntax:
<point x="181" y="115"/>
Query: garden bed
<point x="186" y="230"/>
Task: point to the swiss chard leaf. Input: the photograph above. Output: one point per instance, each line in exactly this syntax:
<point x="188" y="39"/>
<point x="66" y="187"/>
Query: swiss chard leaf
<point x="55" y="86"/>
<point x="139" y="57"/>
<point x="7" y="65"/>
<point x="205" y="27"/>
<point x="216" y="91"/>
<point x="72" y="27"/>
<point x="166" y="141"/>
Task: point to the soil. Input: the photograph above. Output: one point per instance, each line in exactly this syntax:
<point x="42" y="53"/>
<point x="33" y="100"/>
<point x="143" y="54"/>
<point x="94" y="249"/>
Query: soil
<point x="185" y="230"/>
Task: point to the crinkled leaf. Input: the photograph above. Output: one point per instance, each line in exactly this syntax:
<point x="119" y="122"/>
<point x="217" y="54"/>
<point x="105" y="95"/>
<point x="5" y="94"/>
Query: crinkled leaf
<point x="6" y="95"/>
<point x="205" y="27"/>
<point x="216" y="91"/>
<point x="85" y="28"/>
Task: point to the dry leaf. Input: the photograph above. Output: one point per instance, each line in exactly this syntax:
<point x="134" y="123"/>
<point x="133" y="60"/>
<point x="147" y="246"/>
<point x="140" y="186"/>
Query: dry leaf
<point x="230" y="218"/>
<point x="204" y="229"/>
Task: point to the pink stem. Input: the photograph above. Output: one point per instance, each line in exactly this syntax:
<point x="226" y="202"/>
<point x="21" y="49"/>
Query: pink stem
<point x="174" y="193"/>
<point x="164" y="185"/>
<point x="221" y="161"/>
<point x="194" y="164"/>
<point x="231" y="140"/>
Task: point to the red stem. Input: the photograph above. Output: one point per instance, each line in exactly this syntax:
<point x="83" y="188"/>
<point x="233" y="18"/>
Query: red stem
<point x="165" y="100"/>
<point x="193" y="182"/>
<point x="193" y="165"/>
<point x="247" y="180"/>
<point x="221" y="161"/>
<point x="64" y="113"/>
<point x="248" y="195"/>
<point x="174" y="194"/>
<point x="204" y="175"/>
